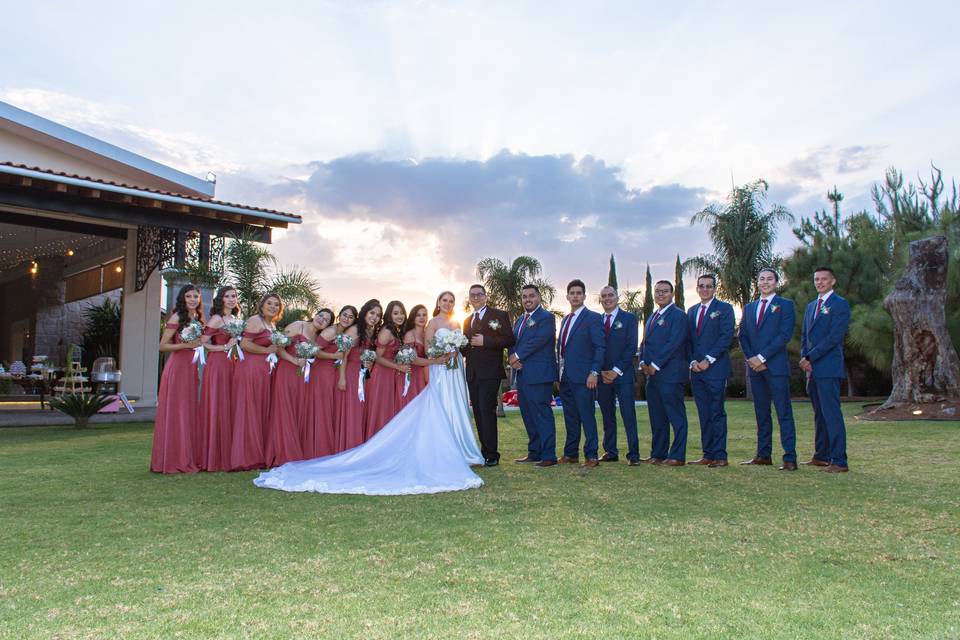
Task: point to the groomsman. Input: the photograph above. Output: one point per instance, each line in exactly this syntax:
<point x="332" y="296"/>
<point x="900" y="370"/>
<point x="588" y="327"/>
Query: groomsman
<point x="765" y="329"/>
<point x="580" y="354"/>
<point x="711" y="326"/>
<point x="534" y="362"/>
<point x="490" y="333"/>
<point x="617" y="376"/>
<point x="825" y="323"/>
<point x="663" y="358"/>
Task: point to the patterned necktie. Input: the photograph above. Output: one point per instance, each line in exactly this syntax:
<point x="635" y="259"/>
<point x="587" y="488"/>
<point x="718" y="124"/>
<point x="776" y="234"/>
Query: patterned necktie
<point x="763" y="306"/>
<point x="606" y="326"/>
<point x="703" y="308"/>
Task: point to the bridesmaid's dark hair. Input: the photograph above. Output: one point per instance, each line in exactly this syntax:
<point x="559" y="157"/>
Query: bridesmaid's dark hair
<point x="411" y="322"/>
<point x="180" y="307"/>
<point x="216" y="307"/>
<point x="349" y="307"/>
<point x="362" y="339"/>
<point x="329" y="312"/>
<point x="263" y="301"/>
<point x="436" y="308"/>
<point x="396" y="330"/>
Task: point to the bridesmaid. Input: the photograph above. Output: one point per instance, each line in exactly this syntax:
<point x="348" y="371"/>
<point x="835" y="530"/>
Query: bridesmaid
<point x="386" y="378"/>
<point x="216" y="387"/>
<point x="319" y="438"/>
<point x="176" y="440"/>
<point x="413" y="337"/>
<point x="252" y="379"/>
<point x="287" y="399"/>
<point x="349" y="408"/>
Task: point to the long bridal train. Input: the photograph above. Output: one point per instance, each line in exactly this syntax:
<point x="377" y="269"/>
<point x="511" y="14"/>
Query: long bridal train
<point x="426" y="448"/>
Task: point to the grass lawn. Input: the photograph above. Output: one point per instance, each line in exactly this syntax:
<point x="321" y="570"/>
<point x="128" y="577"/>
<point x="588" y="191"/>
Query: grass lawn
<point x="93" y="545"/>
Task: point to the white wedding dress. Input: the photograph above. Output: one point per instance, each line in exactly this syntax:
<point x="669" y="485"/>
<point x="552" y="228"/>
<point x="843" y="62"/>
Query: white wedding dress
<point x="427" y="448"/>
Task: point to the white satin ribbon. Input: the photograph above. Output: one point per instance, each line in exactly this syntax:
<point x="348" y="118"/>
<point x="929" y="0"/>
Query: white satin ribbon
<point x="306" y="369"/>
<point x="199" y="357"/>
<point x="239" y="351"/>
<point x="272" y="361"/>
<point x="360" y="385"/>
<point x="406" y="384"/>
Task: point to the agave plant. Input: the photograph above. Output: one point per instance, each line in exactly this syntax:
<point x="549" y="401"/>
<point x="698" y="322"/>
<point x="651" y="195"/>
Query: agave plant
<point x="80" y="406"/>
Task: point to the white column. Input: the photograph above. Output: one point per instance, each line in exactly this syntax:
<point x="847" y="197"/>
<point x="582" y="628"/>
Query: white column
<point x="139" y="330"/>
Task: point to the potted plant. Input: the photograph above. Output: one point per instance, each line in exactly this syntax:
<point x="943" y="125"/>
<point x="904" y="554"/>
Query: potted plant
<point x="80" y="406"/>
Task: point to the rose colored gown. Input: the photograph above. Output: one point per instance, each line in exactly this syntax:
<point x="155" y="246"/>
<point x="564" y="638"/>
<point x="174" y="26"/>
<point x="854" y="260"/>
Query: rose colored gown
<point x="252" y="406"/>
<point x="348" y="410"/>
<point x="216" y="399"/>
<point x="176" y="438"/>
<point x="382" y="393"/>
<point x="319" y="438"/>
<point x="286" y="409"/>
<point x="418" y="379"/>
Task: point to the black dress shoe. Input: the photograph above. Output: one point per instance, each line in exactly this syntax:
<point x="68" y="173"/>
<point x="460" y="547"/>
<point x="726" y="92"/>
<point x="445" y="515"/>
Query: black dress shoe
<point x="526" y="459"/>
<point x="609" y="458"/>
<point x="492" y="462"/>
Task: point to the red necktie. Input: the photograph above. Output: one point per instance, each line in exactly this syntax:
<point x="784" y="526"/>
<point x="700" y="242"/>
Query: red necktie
<point x="763" y="306"/>
<point x="475" y="324"/>
<point x="606" y="326"/>
<point x="563" y="335"/>
<point x="817" y="312"/>
<point x="700" y="319"/>
<point x="526" y="318"/>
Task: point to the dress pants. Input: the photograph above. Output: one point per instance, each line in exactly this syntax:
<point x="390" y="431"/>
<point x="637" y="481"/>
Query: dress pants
<point x="537" y="416"/>
<point x="709" y="396"/>
<point x="766" y="389"/>
<point x="830" y="432"/>
<point x="665" y="406"/>
<point x="483" y="397"/>
<point x="578" y="410"/>
<point x="608" y="396"/>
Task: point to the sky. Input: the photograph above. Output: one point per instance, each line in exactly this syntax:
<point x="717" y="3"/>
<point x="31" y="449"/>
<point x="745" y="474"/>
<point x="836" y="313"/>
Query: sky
<point x="417" y="138"/>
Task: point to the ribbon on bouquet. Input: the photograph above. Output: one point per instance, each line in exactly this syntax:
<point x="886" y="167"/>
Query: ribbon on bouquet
<point x="306" y="369"/>
<point x="199" y="357"/>
<point x="237" y="351"/>
<point x="272" y="361"/>
<point x="406" y="384"/>
<point x="360" y="384"/>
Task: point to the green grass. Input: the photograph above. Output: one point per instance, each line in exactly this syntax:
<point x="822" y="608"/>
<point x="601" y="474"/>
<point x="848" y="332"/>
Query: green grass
<point x="93" y="545"/>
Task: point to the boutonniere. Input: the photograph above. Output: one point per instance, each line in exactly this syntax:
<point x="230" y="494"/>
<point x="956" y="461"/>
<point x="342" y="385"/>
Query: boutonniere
<point x="825" y="310"/>
<point x="660" y="322"/>
<point x="774" y="308"/>
<point x="714" y="315"/>
<point x="494" y="324"/>
<point x="531" y="322"/>
<point x="618" y="325"/>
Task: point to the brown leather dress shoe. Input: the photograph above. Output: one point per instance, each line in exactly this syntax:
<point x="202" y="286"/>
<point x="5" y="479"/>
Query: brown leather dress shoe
<point x="543" y="464"/>
<point x="673" y="463"/>
<point x="609" y="458"/>
<point x="651" y="460"/>
<point x="759" y="461"/>
<point x="568" y="460"/>
<point x="813" y="462"/>
<point x="703" y="462"/>
<point x="788" y="466"/>
<point x="526" y="459"/>
<point x="835" y="468"/>
<point x="634" y="463"/>
<point x="718" y="463"/>
<point x="591" y="463"/>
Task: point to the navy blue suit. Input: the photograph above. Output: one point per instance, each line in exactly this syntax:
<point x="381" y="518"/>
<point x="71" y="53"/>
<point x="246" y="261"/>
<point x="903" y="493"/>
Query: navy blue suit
<point x="769" y="340"/>
<point x="621" y="347"/>
<point x="535" y="347"/>
<point x="821" y="342"/>
<point x="665" y="344"/>
<point x="711" y="342"/>
<point x="581" y="354"/>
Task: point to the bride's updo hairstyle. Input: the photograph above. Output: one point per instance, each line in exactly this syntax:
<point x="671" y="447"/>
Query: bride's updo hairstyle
<point x="436" y="308"/>
<point x="364" y="330"/>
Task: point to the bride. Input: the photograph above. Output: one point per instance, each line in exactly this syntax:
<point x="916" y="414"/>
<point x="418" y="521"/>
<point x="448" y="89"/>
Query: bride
<point x="426" y="448"/>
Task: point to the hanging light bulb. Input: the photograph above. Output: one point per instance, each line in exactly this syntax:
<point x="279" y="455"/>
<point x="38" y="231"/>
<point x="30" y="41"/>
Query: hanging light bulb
<point x="70" y="253"/>
<point x="34" y="267"/>
<point x="118" y="268"/>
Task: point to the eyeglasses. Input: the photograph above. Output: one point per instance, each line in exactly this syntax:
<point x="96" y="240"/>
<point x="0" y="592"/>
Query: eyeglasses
<point x="480" y="294"/>
<point x="662" y="292"/>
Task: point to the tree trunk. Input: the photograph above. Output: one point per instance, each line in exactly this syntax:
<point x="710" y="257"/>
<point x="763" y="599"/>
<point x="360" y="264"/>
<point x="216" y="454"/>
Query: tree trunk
<point x="925" y="363"/>
<point x="81" y="422"/>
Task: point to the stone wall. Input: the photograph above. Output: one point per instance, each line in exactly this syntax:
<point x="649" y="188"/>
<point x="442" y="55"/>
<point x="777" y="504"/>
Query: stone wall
<point x="59" y="326"/>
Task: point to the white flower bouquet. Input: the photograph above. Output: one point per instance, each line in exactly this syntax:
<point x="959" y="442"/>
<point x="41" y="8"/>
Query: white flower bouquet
<point x="367" y="358"/>
<point x="235" y="327"/>
<point x="280" y="339"/>
<point x="308" y="351"/>
<point x="192" y="331"/>
<point x="446" y="341"/>
<point x="344" y="343"/>
<point x="406" y="355"/>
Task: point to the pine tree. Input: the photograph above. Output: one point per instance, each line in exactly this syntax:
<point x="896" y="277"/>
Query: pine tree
<point x="678" y="284"/>
<point x="612" y="275"/>
<point x="648" y="298"/>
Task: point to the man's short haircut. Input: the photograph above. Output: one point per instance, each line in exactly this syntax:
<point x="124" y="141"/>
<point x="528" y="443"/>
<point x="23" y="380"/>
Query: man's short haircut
<point x="576" y="283"/>
<point x="531" y="286"/>
<point x="827" y="269"/>
<point x="666" y="282"/>
<point x="477" y="286"/>
<point x="712" y="277"/>
<point x="776" y="276"/>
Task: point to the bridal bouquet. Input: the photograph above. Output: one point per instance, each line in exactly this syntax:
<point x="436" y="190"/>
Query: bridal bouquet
<point x="280" y="339"/>
<point x="446" y="341"/>
<point x="367" y="358"/>
<point x="344" y="343"/>
<point x="406" y="356"/>
<point x="308" y="351"/>
<point x="192" y="331"/>
<point x="235" y="326"/>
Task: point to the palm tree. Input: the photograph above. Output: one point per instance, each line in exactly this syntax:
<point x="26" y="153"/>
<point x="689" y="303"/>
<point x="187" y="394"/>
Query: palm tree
<point x="504" y="283"/>
<point x="742" y="233"/>
<point x="254" y="271"/>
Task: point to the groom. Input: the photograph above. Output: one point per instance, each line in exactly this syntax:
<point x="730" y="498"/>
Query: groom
<point x="489" y="332"/>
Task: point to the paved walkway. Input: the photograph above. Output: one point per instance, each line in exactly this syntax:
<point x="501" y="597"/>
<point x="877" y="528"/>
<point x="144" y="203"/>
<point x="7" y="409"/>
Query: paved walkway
<point x="29" y="417"/>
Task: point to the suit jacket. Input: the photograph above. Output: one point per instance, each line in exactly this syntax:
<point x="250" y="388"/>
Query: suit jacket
<point x="771" y="337"/>
<point x="536" y="347"/>
<point x="621" y="345"/>
<point x="584" y="349"/>
<point x="716" y="334"/>
<point x="666" y="344"/>
<point x="486" y="362"/>
<point x="821" y="339"/>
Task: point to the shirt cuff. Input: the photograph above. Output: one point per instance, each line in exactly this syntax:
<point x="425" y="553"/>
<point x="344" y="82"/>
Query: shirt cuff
<point x="692" y="362"/>
<point x="617" y="371"/>
<point x="654" y="365"/>
<point x="710" y="359"/>
<point x="761" y="358"/>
